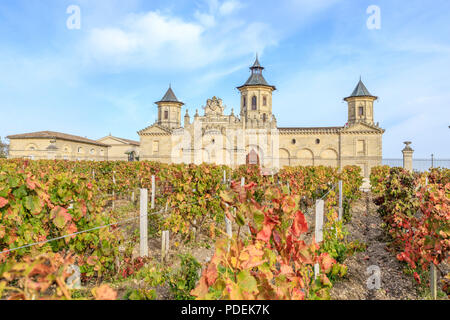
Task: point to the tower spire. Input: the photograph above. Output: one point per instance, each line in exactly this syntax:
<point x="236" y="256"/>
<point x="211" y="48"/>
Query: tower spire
<point x="360" y="105"/>
<point x="360" y="90"/>
<point x="169" y="110"/>
<point x="257" y="78"/>
<point x="256" y="66"/>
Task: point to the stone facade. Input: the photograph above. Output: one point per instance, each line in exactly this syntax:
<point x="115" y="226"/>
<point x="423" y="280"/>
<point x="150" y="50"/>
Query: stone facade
<point x="55" y="145"/>
<point x="254" y="137"/>
<point x="251" y="136"/>
<point x="120" y="149"/>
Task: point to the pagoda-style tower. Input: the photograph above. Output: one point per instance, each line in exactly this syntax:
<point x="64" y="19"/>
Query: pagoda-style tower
<point x="256" y="97"/>
<point x="169" y="110"/>
<point x="360" y="105"/>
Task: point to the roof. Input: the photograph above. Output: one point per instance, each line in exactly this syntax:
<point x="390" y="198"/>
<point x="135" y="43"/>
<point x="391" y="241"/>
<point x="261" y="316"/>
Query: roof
<point x="56" y="135"/>
<point x="126" y="141"/>
<point x="360" y="91"/>
<point x="327" y="130"/>
<point x="310" y="129"/>
<point x="164" y="130"/>
<point x="257" y="65"/>
<point x="169" y="97"/>
<point x="133" y="142"/>
<point x="256" y="78"/>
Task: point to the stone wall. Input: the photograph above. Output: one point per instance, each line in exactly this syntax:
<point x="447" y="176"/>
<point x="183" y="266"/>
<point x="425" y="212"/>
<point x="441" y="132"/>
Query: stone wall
<point x="67" y="150"/>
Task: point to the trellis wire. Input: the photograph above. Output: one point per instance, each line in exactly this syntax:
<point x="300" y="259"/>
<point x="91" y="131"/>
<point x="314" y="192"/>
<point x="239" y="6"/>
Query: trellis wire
<point x="77" y="233"/>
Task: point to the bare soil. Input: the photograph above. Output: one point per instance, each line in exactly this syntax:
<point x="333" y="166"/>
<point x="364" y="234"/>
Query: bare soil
<point x="366" y="226"/>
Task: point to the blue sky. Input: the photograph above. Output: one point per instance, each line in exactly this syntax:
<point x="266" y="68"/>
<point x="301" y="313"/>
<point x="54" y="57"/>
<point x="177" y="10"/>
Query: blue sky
<point x="105" y="77"/>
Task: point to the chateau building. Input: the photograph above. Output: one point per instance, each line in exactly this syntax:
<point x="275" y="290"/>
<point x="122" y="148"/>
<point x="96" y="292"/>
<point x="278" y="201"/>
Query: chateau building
<point x="254" y="137"/>
<point x="251" y="136"/>
<point x="50" y="145"/>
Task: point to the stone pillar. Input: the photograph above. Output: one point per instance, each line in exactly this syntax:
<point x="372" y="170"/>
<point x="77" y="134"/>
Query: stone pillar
<point x="408" y="157"/>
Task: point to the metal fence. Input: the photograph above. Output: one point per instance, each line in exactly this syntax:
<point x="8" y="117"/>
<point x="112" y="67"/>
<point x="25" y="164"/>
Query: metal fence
<point x="420" y="164"/>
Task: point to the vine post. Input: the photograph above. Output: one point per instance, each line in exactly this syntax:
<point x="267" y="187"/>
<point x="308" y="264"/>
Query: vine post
<point x="229" y="229"/>
<point x="153" y="193"/>
<point x="143" y="223"/>
<point x="243" y="185"/>
<point x="165" y="245"/>
<point x="433" y="273"/>
<point x="318" y="232"/>
<point x="228" y="225"/>
<point x="433" y="281"/>
<point x="341" y="208"/>
<point x="114" y="192"/>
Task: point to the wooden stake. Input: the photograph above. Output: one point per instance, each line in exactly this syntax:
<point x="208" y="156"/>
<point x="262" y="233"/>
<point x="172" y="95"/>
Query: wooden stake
<point x="316" y="271"/>
<point x="229" y="229"/>
<point x="433" y="273"/>
<point x="318" y="230"/>
<point x="143" y="223"/>
<point x="165" y="245"/>
<point x="433" y="281"/>
<point x="320" y="204"/>
<point x="114" y="194"/>
<point x="113" y="197"/>
<point x="153" y="192"/>
<point x="341" y="207"/>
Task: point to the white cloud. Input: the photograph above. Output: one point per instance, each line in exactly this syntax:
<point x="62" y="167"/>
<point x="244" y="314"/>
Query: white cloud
<point x="113" y="41"/>
<point x="145" y="39"/>
<point x="161" y="41"/>
<point x="207" y="20"/>
<point x="229" y="7"/>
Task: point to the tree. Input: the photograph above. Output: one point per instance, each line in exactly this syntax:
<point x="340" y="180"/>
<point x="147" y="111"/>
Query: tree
<point x="4" y="148"/>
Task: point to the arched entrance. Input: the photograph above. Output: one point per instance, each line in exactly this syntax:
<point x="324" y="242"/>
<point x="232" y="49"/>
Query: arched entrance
<point x="252" y="158"/>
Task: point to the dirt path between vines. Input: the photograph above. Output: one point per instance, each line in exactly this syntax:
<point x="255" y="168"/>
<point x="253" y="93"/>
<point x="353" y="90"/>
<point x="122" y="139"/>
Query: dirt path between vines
<point x="395" y="285"/>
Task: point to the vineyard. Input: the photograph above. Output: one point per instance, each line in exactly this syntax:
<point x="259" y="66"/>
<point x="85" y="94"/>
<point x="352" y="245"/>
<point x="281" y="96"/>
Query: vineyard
<point x="71" y="230"/>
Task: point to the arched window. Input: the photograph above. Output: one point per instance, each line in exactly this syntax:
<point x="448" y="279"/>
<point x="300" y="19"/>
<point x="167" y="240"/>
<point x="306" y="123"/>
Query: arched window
<point x="264" y="117"/>
<point x="254" y="103"/>
<point x="244" y="101"/>
<point x="166" y="115"/>
<point x="361" y="111"/>
<point x="264" y="101"/>
<point x="80" y="150"/>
